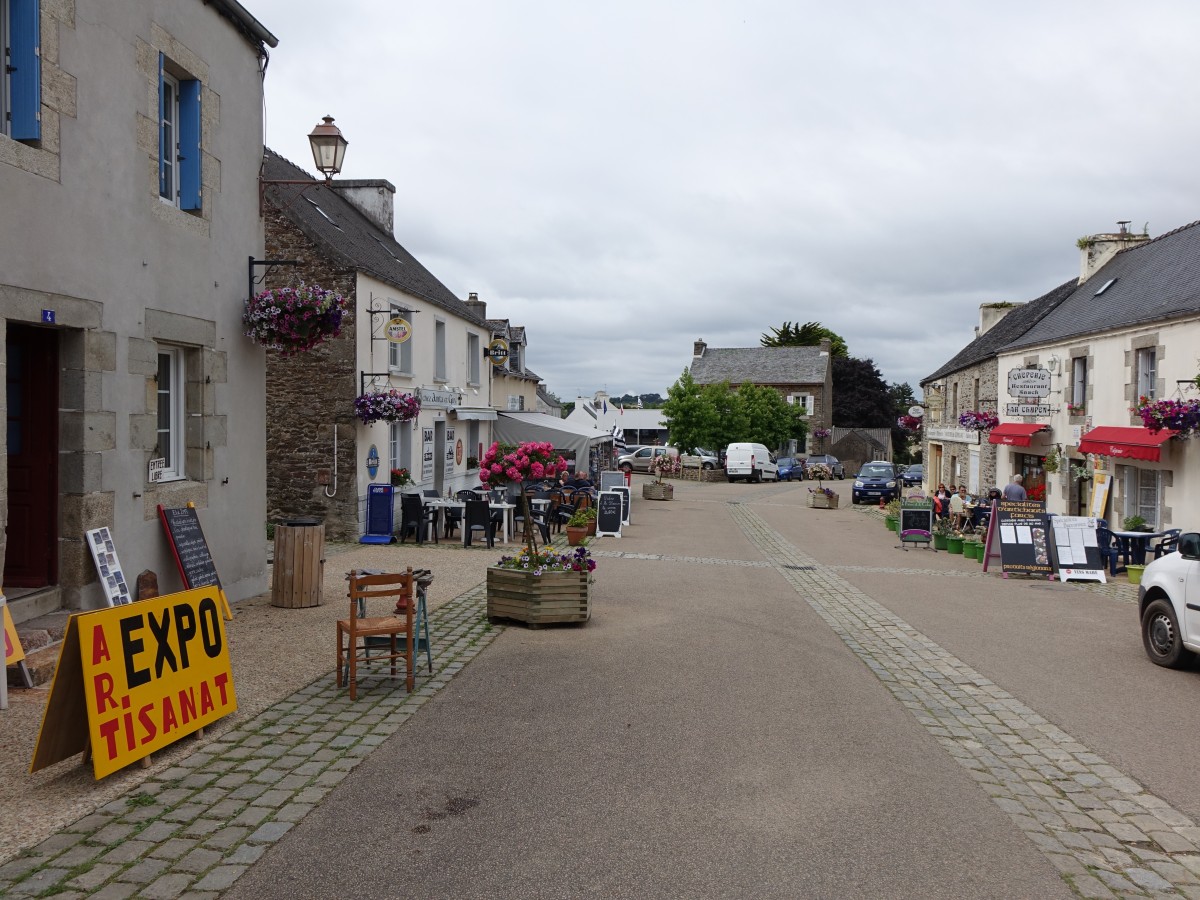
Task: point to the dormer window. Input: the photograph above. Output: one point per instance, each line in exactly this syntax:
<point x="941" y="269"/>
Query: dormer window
<point x="514" y="357"/>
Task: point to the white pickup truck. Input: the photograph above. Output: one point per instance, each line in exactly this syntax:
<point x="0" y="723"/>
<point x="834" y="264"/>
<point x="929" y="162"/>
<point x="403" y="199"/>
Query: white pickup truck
<point x="1169" y="605"/>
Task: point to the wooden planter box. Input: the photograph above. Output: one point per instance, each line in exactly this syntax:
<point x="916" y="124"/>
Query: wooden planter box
<point x="819" y="500"/>
<point x="538" y="599"/>
<point x="655" y="491"/>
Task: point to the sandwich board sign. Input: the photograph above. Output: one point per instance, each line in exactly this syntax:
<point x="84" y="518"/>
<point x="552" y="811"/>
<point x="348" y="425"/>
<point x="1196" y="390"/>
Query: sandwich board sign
<point x="1077" y="549"/>
<point x="609" y="508"/>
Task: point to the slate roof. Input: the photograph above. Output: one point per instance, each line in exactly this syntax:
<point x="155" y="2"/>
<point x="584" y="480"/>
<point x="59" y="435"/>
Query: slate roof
<point x="1154" y="281"/>
<point x="1006" y="331"/>
<point x="761" y="365"/>
<point x="347" y="236"/>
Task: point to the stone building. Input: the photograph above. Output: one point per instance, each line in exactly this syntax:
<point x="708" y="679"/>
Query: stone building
<point x="122" y="278"/>
<point x="320" y="457"/>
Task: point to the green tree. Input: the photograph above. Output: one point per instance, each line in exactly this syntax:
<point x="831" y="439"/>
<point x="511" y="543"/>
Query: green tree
<point x="732" y="423"/>
<point x="903" y="399"/>
<point x="772" y="420"/>
<point x="860" y="395"/>
<point x="688" y="413"/>
<point x="810" y="334"/>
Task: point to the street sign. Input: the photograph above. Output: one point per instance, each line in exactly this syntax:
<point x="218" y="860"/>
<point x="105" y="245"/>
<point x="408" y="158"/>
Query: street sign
<point x="916" y="411"/>
<point x="1027" y="409"/>
<point x="1028" y="383"/>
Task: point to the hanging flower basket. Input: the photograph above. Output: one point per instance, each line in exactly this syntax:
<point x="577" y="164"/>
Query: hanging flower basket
<point x="386" y="406"/>
<point x="978" y="420"/>
<point x="821" y="433"/>
<point x="1180" y="416"/>
<point x="292" y="320"/>
<point x="911" y="424"/>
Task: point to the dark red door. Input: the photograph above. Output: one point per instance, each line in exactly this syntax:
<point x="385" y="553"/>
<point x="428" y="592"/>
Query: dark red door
<point x="31" y="557"/>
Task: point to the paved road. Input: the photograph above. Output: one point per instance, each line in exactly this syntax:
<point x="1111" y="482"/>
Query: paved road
<point x="773" y="701"/>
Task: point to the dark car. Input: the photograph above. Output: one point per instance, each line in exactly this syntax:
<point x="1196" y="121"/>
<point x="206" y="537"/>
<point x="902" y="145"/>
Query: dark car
<point x="838" y="470"/>
<point x="790" y="468"/>
<point x="875" y="481"/>
<point x="913" y="474"/>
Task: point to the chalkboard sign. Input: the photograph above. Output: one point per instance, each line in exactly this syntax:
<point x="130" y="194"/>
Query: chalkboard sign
<point x="609" y="507"/>
<point x="610" y="480"/>
<point x="186" y="538"/>
<point x="1024" y="530"/>
<point x="625" y="503"/>
<point x="379" y="515"/>
<point x="916" y="521"/>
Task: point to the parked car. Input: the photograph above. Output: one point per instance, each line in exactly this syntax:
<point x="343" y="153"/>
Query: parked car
<point x="708" y="459"/>
<point x="639" y="460"/>
<point x="875" y="481"/>
<point x="789" y="468"/>
<point x="1169" y="605"/>
<point x="753" y="462"/>
<point x="838" y="470"/>
<point x="913" y="474"/>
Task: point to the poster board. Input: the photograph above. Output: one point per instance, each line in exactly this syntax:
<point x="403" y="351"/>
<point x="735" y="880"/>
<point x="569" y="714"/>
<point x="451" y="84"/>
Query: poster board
<point x="916" y="521"/>
<point x="427" y="455"/>
<point x="1024" y="531"/>
<point x="190" y="549"/>
<point x="609" y="510"/>
<point x="379" y="515"/>
<point x="133" y="679"/>
<point x="1077" y="549"/>
<point x="108" y="567"/>
<point x="1101" y="482"/>
<point x="626" y="502"/>
<point x="610" y="480"/>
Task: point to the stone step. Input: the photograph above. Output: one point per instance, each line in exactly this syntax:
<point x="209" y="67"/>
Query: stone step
<point x="25" y="605"/>
<point x="41" y="638"/>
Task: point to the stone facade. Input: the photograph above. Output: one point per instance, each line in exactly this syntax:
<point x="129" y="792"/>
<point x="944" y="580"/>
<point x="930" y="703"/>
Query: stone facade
<point x="949" y="458"/>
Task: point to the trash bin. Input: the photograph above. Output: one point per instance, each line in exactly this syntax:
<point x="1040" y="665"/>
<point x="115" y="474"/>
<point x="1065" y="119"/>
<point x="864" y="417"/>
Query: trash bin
<point x="299" y="563"/>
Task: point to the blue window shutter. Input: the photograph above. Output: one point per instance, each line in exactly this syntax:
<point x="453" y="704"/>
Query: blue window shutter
<point x="189" y="144"/>
<point x="26" y="72"/>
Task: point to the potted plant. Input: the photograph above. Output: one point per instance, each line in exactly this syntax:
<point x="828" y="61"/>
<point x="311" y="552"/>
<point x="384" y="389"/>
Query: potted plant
<point x="1135" y="523"/>
<point x="942" y="529"/>
<point x="541" y="586"/>
<point x="577" y="526"/>
<point x="1076" y="409"/>
<point x="401" y="478"/>
<point x="891" y="515"/>
<point x="821" y="497"/>
<point x="1052" y="461"/>
<point x="292" y="320"/>
<point x="666" y="465"/>
<point x="971" y="546"/>
<point x="588" y="515"/>
<point x="954" y="543"/>
<point x="386" y="406"/>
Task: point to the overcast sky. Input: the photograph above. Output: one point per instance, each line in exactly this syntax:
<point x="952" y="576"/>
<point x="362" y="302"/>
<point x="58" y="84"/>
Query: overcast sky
<point x="624" y="178"/>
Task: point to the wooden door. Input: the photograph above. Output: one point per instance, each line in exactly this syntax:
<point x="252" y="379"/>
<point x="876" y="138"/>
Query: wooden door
<point x="31" y="551"/>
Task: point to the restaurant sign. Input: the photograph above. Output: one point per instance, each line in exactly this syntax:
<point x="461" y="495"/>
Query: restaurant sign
<point x="1028" y="383"/>
<point x="1034" y="410"/>
<point x="953" y="435"/>
<point x="438" y="398"/>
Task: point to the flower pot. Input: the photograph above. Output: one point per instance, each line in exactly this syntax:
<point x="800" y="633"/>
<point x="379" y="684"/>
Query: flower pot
<point x="538" y="599"/>
<point x="893" y="523"/>
<point x="576" y="534"/>
<point x="970" y="549"/>
<point x="591" y="528"/>
<point x="954" y="545"/>
<point x="1135" y="573"/>
<point x="821" y="500"/>
<point x="939" y="541"/>
<point x="656" y="491"/>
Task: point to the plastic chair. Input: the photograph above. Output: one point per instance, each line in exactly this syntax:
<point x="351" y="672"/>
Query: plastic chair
<point x="415" y="516"/>
<point x="478" y="514"/>
<point x="539" y="517"/>
<point x="396" y="590"/>
<point x="1108" y="547"/>
<point x="1168" y="543"/>
<point x="452" y="515"/>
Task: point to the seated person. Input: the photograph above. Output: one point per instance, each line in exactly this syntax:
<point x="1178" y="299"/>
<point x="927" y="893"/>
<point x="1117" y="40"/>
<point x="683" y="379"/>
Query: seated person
<point x="581" y="480"/>
<point x="958" y="508"/>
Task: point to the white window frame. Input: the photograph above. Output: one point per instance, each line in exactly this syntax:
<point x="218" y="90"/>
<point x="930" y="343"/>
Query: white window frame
<point x="1142" y="494"/>
<point x="171" y="442"/>
<point x="439" y="350"/>
<point x="474" y="357"/>
<point x="168" y="134"/>
<point x="400" y="355"/>
<point x="400" y="447"/>
<point x="1146" y="361"/>
<point x="1079" y="381"/>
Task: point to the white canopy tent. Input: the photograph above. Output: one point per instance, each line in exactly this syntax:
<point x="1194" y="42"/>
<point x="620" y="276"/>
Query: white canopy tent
<point x="517" y="427"/>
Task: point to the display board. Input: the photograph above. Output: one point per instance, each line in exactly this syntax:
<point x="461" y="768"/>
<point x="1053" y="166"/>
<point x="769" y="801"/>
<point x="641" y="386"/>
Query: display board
<point x="379" y="515"/>
<point x="112" y="576"/>
<point x="609" y="509"/>
<point x="1077" y="549"/>
<point x="190" y="549"/>
<point x="626" y="502"/>
<point x="1024" y="531"/>
<point x="1100" y="485"/>
<point x="610" y="480"/>
<point x="134" y="678"/>
<point x="916" y="521"/>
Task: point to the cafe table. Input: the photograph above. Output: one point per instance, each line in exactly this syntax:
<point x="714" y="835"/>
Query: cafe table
<point x="1133" y="545"/>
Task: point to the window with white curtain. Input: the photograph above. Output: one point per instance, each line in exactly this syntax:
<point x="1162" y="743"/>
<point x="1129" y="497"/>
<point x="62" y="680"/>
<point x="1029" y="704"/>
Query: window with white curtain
<point x="1142" y="490"/>
<point x="171" y="411"/>
<point x="1147" y="371"/>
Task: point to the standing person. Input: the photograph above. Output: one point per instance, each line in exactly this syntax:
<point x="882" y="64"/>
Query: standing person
<point x="1014" y="490"/>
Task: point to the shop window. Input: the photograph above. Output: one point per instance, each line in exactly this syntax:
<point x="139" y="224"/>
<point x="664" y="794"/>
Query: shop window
<point x="1142" y="493"/>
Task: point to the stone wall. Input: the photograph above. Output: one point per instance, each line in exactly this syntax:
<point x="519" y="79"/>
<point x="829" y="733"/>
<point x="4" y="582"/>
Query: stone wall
<point x="310" y="394"/>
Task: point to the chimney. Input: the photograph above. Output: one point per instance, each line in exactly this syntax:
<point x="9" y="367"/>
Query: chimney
<point x="1098" y="249"/>
<point x="991" y="313"/>
<point x="826" y="345"/>
<point x="477" y="306"/>
<point x="698" y="348"/>
<point x="373" y="197"/>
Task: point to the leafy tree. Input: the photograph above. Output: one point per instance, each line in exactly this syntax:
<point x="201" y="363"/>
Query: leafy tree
<point x="732" y="421"/>
<point x="772" y="419"/>
<point x="902" y="442"/>
<point x="715" y="415"/>
<point x="860" y="395"/>
<point x="689" y="414"/>
<point x="810" y="334"/>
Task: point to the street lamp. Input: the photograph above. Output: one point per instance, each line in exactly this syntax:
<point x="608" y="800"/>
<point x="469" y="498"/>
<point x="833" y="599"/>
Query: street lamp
<point x="328" y="150"/>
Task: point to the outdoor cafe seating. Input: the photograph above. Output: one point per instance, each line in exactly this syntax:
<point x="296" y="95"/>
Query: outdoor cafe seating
<point x="359" y="633"/>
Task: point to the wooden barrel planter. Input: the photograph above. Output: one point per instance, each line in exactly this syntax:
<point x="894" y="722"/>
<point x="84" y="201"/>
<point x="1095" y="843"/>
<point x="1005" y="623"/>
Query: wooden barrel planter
<point x="545" y="599"/>
<point x="656" y="491"/>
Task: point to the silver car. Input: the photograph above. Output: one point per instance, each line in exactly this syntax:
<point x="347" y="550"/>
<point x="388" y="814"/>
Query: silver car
<point x="639" y="460"/>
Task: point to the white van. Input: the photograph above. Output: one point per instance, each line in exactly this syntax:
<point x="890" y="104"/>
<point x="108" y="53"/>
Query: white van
<point x="754" y="462"/>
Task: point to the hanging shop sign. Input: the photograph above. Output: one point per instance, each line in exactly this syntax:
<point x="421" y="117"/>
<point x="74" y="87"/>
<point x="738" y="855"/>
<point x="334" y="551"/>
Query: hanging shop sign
<point x="438" y="398"/>
<point x="498" y="352"/>
<point x="1033" y="410"/>
<point x="1028" y="383"/>
<point x="373" y="461"/>
<point x="397" y="330"/>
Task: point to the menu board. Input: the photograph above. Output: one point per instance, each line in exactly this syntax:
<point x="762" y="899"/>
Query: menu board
<point x="1024" y="530"/>
<point x="186" y="538"/>
<point x="625" y="503"/>
<point x="916" y="521"/>
<point x="1077" y="549"/>
<point x="112" y="576"/>
<point x="609" y="508"/>
<point x="610" y="480"/>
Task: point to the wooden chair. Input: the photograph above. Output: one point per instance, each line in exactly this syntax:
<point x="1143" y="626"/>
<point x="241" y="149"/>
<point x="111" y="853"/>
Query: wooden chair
<point x="355" y="634"/>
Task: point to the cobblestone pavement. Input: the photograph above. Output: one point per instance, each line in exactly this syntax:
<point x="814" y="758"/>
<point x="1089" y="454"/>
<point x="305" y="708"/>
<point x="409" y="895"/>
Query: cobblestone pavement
<point x="1105" y="834"/>
<point x="192" y="830"/>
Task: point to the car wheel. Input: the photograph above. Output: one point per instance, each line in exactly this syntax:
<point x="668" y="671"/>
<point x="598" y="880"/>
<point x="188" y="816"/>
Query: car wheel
<point x="706" y="466"/>
<point x="626" y="468"/>
<point x="1161" y="637"/>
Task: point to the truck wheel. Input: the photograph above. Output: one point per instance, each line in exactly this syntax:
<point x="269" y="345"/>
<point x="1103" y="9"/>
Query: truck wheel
<point x="1161" y="637"/>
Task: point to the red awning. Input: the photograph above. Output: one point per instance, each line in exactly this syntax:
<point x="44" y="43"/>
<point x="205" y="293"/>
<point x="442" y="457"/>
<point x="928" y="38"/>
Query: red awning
<point x="1125" y="442"/>
<point x="1017" y="434"/>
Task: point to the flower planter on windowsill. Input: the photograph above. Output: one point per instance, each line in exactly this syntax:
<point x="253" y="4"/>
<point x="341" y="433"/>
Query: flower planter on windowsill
<point x="655" y="491"/>
<point x="545" y="599"/>
<point x="821" y="500"/>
